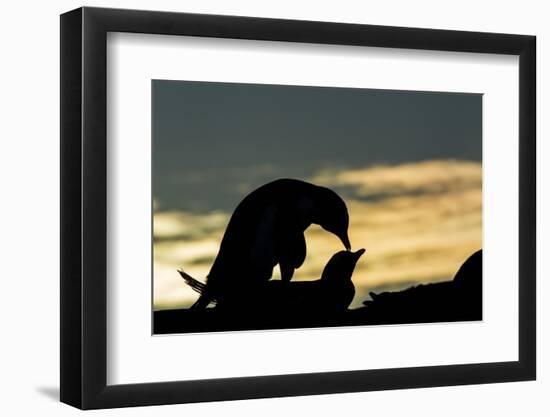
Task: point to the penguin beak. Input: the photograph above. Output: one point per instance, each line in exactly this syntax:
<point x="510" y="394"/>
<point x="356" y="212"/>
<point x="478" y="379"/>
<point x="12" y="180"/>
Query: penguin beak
<point x="345" y="241"/>
<point x="359" y="253"/>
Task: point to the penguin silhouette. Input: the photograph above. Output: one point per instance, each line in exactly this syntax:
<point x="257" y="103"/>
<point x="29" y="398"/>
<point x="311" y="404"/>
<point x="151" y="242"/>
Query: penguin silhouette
<point x="266" y="229"/>
<point x="332" y="293"/>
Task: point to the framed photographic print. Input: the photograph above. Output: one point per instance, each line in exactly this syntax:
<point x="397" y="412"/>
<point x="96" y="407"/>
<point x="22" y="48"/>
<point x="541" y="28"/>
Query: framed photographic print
<point x="258" y="207"/>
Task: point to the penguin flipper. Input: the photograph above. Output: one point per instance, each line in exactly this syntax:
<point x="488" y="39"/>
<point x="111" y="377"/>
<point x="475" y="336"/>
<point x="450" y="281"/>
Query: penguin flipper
<point x="293" y="255"/>
<point x="300" y="250"/>
<point x="262" y="253"/>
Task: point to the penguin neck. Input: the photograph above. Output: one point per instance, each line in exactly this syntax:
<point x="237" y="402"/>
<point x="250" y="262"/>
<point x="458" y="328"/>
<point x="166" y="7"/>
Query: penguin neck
<point x="308" y="210"/>
<point x="315" y="216"/>
<point x="316" y="219"/>
<point x="339" y="282"/>
<point x="319" y="198"/>
<point x="338" y="279"/>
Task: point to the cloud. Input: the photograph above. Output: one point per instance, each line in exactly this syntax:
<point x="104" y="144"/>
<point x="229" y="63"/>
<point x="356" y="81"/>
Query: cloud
<point x="418" y="222"/>
<point x="428" y="177"/>
<point x="187" y="226"/>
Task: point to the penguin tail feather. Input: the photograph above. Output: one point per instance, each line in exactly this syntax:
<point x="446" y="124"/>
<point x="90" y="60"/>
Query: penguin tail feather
<point x="196" y="285"/>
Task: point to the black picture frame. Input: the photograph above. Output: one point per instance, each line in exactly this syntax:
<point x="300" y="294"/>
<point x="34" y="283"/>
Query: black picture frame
<point x="84" y="207"/>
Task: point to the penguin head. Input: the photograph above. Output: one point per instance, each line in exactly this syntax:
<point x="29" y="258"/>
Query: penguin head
<point x="333" y="215"/>
<point x="340" y="267"/>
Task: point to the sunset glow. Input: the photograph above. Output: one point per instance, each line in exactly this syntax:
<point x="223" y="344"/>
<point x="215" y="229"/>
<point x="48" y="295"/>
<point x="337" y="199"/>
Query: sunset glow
<point x="418" y="222"/>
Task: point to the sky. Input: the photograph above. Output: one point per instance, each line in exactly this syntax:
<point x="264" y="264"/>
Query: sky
<point x="408" y="165"/>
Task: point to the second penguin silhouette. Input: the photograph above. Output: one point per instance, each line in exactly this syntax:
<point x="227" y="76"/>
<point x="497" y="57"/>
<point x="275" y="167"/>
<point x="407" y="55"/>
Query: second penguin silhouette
<point x="266" y="229"/>
<point x="332" y="293"/>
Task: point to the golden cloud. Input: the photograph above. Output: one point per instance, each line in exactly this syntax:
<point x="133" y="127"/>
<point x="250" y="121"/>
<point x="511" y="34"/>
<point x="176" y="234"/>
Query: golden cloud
<point x="419" y="177"/>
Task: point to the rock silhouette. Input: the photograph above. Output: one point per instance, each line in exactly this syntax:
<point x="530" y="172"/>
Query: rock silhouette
<point x="456" y="300"/>
<point x="266" y="229"/>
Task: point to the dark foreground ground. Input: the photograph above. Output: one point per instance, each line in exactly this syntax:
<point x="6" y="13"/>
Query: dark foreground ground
<point x="451" y="301"/>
